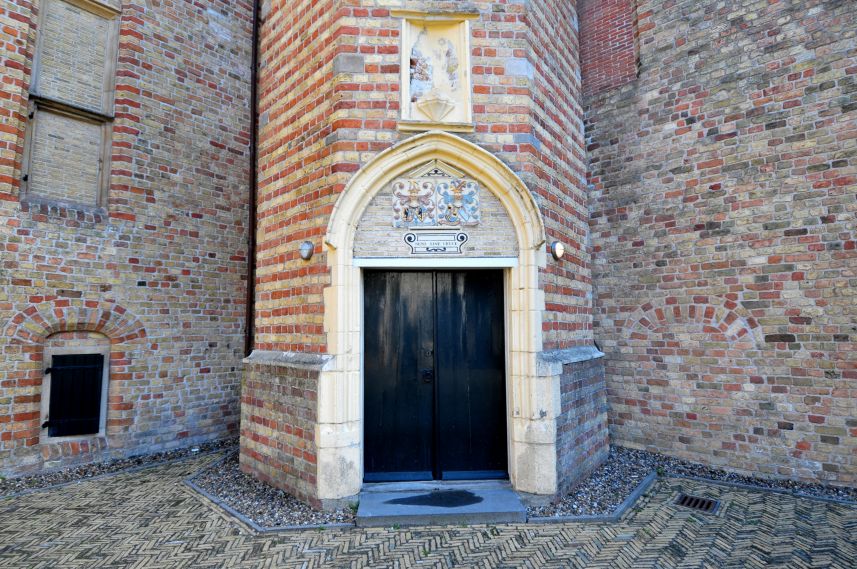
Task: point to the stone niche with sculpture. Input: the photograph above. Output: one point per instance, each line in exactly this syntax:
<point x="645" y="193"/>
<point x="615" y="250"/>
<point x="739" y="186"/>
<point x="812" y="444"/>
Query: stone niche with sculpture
<point x="436" y="85"/>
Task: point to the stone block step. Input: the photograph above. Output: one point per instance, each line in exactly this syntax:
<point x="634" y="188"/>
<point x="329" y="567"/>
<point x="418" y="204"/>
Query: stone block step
<point x="439" y="503"/>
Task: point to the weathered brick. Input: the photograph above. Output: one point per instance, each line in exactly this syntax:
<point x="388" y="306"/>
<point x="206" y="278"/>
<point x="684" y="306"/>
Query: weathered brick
<point x="160" y="269"/>
<point x="760" y="159"/>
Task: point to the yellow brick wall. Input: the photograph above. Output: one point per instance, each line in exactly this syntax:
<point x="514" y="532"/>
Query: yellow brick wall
<point x="65" y="159"/>
<point x="73" y="55"/>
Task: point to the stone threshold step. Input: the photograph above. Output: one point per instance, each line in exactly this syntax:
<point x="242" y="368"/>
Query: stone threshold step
<point x="439" y="503"/>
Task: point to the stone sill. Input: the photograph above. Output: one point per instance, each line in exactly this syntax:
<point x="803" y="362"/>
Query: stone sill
<point x="298" y="360"/>
<point x="550" y="363"/>
<point x="466" y="11"/>
<point x="419" y="126"/>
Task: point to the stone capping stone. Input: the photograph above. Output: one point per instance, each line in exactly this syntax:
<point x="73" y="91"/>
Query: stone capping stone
<point x="550" y="363"/>
<point x="300" y="360"/>
<point x="462" y="11"/>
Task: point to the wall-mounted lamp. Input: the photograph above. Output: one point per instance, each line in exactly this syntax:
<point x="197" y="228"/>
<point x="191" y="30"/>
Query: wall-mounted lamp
<point x="306" y="250"/>
<point x="557" y="250"/>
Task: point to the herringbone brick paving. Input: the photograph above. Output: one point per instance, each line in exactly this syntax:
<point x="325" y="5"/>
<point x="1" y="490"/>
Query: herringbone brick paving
<point x="151" y="519"/>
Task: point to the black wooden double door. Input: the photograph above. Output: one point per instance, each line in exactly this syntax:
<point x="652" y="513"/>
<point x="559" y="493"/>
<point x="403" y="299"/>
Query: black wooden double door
<point x="434" y="377"/>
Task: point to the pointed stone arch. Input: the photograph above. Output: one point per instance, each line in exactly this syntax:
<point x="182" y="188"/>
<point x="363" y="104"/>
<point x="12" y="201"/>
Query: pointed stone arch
<point x="532" y="398"/>
<point x="416" y="151"/>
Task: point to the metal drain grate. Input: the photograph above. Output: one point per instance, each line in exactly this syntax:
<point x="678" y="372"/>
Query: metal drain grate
<point x="697" y="503"/>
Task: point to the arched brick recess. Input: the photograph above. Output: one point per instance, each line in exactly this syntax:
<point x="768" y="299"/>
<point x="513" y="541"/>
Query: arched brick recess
<point x="714" y="314"/>
<point x="27" y="333"/>
<point x="39" y="321"/>
<point x="684" y="380"/>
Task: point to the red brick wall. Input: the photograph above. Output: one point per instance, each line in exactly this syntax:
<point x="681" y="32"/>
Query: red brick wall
<point x="300" y="175"/>
<point x="17" y="36"/>
<point x="161" y="270"/>
<point x="556" y="163"/>
<point x="322" y="120"/>
<point x="608" y="50"/>
<point x="278" y="419"/>
<point x="723" y="185"/>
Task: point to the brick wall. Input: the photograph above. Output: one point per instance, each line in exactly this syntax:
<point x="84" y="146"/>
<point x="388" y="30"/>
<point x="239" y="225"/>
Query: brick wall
<point x="608" y="51"/>
<point x="340" y="107"/>
<point x="723" y="186"/>
<point x="278" y="419"/>
<point x="555" y="156"/>
<point x="582" y="441"/>
<point x="161" y="269"/>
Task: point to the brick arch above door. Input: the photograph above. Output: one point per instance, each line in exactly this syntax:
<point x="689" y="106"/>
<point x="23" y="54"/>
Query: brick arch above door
<point x="34" y="324"/>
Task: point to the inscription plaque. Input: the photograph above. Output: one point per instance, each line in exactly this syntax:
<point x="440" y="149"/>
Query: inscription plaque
<point x="437" y="242"/>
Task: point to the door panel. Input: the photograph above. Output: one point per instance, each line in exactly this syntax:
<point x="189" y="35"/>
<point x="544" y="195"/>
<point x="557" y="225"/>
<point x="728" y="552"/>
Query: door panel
<point x="471" y="395"/>
<point x="75" y="399"/>
<point x="434" y="377"/>
<point x="398" y="336"/>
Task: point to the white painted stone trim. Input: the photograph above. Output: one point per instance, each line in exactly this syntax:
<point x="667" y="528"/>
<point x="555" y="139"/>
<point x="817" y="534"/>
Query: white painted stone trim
<point x="436" y="263"/>
<point x="298" y="360"/>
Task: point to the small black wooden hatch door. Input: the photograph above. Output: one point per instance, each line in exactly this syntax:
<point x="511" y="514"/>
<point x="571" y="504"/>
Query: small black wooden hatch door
<point x="434" y="375"/>
<point x="75" y="398"/>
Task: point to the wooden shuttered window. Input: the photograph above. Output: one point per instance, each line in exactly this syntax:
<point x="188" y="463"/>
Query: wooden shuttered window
<point x="75" y="397"/>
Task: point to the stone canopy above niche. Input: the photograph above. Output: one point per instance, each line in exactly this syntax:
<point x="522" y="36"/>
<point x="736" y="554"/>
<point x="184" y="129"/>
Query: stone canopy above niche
<point x="435" y="82"/>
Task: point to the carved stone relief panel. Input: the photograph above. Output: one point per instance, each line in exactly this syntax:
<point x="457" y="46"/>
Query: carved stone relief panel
<point x="437" y="196"/>
<point x="435" y="70"/>
<point x="435" y="210"/>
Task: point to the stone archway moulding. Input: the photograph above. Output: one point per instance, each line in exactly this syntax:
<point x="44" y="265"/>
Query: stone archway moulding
<point x="532" y="398"/>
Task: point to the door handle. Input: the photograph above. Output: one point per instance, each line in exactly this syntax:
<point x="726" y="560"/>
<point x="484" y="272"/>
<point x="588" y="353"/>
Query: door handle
<point x="427" y="375"/>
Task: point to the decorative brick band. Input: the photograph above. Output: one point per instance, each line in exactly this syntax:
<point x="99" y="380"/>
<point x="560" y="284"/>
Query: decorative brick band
<point x="37" y="322"/>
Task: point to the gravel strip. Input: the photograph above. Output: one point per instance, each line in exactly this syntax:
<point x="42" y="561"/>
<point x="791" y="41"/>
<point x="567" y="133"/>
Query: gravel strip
<point x="608" y="486"/>
<point x="263" y="504"/>
<point x="84" y="471"/>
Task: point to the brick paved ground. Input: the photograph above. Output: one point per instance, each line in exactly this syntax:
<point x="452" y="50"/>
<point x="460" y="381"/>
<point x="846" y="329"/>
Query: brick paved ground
<point x="150" y="519"/>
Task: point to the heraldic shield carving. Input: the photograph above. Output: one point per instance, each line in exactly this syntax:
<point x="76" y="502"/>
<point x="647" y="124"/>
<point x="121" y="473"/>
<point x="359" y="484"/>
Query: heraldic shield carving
<point x="435" y="196"/>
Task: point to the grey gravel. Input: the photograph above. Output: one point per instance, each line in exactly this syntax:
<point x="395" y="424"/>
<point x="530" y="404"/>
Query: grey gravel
<point x="79" y="473"/>
<point x="263" y="504"/>
<point x="608" y="486"/>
